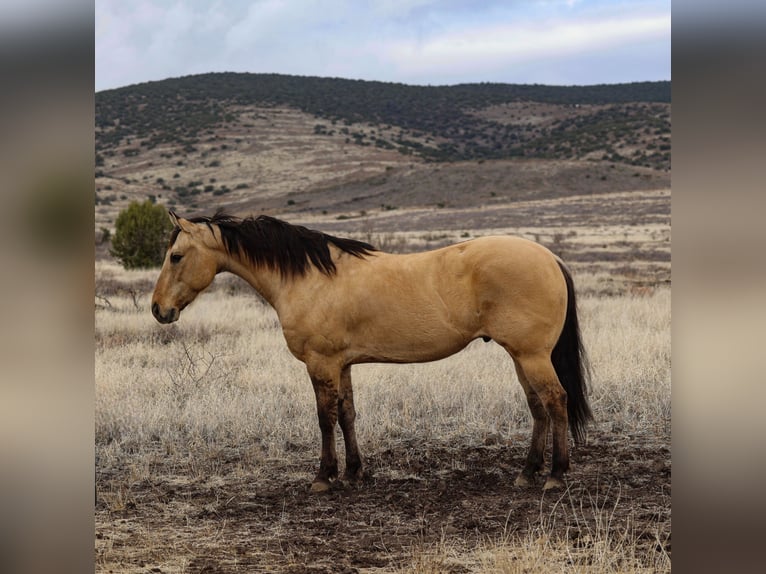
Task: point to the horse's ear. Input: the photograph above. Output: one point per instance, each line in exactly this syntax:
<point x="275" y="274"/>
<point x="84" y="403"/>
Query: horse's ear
<point x="185" y="225"/>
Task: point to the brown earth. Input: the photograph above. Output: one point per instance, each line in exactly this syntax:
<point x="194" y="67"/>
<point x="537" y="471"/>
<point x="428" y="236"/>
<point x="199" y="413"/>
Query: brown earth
<point x="259" y="516"/>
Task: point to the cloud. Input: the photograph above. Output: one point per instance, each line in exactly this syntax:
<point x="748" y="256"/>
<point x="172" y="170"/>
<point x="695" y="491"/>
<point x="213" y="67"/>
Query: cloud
<point x="412" y="41"/>
<point x="490" y="47"/>
<point x="148" y="40"/>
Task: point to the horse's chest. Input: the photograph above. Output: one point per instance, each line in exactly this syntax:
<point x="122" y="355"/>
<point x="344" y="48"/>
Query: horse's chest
<point x="307" y="340"/>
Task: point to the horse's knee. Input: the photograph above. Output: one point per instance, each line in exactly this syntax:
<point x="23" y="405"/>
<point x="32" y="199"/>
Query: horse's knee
<point x="326" y="391"/>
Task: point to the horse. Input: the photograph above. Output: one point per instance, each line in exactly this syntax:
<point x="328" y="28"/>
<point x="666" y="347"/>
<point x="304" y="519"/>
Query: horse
<point x="342" y="302"/>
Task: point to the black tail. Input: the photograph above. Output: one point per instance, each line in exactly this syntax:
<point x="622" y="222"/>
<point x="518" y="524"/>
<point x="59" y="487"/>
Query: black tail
<point x="571" y="365"/>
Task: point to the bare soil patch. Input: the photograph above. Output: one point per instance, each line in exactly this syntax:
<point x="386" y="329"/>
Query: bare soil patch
<point x="461" y="185"/>
<point x="420" y="495"/>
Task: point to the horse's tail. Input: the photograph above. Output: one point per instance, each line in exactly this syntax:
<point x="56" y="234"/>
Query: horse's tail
<point x="571" y="364"/>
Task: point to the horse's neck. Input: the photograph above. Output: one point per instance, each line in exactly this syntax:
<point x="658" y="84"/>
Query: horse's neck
<point x="264" y="280"/>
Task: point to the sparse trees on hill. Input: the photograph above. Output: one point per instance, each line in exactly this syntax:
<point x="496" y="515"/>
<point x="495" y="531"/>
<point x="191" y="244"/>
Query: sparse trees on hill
<point x="177" y="112"/>
<point x="141" y="234"/>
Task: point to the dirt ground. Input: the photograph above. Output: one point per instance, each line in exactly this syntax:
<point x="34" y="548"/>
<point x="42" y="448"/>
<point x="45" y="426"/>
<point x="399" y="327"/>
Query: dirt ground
<point x="419" y="496"/>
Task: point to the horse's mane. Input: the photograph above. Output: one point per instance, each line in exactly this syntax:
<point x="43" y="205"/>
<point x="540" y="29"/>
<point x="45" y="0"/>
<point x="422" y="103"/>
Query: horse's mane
<point x="269" y="241"/>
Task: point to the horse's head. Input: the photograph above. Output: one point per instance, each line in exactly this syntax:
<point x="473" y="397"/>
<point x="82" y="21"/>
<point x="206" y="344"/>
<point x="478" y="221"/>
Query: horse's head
<point x="190" y="265"/>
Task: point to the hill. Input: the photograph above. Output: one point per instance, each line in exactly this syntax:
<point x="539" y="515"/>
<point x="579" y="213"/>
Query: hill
<point x="447" y="123"/>
<point x="262" y="141"/>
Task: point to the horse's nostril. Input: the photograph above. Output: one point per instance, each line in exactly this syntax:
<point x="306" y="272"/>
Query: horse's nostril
<point x="156" y="310"/>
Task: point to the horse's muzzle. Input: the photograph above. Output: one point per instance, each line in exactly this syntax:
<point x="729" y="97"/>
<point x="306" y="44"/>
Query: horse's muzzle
<point x="169" y="317"/>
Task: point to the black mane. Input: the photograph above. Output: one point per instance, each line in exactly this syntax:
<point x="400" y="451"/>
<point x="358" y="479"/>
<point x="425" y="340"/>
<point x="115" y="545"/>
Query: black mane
<point x="269" y="241"/>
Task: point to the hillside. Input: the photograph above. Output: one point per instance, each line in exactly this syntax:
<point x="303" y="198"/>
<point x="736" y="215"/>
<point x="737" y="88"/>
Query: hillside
<point x="288" y="143"/>
<point x="448" y="123"/>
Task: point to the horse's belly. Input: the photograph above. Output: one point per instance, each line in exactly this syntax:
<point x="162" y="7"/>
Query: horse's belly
<point x="397" y="346"/>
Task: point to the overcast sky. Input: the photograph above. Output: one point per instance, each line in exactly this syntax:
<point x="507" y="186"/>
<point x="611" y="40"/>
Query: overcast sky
<point x="560" y="42"/>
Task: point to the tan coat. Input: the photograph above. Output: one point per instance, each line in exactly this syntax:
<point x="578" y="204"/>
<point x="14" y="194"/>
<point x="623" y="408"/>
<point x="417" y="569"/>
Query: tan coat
<point x="381" y="307"/>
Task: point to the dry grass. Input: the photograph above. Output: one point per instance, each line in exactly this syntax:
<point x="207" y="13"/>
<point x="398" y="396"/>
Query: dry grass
<point x="599" y="549"/>
<point x="219" y="389"/>
<point x="223" y="373"/>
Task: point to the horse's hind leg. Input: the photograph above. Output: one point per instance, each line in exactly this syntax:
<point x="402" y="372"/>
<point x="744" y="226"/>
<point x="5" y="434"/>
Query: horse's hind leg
<point x="535" y="462"/>
<point x="541" y="377"/>
<point x="346" y="417"/>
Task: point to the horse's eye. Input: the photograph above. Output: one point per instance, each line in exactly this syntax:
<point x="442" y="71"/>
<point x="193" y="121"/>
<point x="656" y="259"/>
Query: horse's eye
<point x="175" y="258"/>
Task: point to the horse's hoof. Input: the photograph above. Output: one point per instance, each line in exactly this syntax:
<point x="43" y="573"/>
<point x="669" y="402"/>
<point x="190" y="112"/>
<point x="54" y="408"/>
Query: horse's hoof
<point x="320" y="486"/>
<point x="553" y="483"/>
<point x="352" y="477"/>
<point x="523" y="480"/>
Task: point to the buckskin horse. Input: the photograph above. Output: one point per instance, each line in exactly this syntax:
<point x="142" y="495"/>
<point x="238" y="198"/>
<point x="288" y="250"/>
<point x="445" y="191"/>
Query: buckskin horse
<point x="342" y="302"/>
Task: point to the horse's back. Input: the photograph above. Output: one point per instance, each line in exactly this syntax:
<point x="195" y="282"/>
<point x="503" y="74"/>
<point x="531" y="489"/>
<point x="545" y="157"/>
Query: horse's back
<point x="493" y="267"/>
<point x="504" y="261"/>
<point x="425" y="306"/>
<point x="475" y="286"/>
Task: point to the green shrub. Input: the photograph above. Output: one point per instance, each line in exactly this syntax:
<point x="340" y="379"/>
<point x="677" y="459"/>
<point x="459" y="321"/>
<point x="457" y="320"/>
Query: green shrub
<point x="141" y="234"/>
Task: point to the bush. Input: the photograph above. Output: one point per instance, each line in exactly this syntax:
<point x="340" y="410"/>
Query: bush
<point x="141" y="234"/>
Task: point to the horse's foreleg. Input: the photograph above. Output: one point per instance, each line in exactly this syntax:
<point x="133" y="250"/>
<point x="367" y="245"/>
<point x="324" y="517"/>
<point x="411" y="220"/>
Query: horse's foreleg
<point x="535" y="462"/>
<point x="346" y="417"/>
<point x="326" y="391"/>
<point x="542" y="379"/>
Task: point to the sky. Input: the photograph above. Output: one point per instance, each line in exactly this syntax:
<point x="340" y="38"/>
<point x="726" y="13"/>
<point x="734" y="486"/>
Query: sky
<point x="422" y="42"/>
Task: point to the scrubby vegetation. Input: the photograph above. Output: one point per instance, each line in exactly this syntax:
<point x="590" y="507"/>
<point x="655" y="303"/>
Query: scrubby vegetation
<point x="141" y="235"/>
<point x="438" y="123"/>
